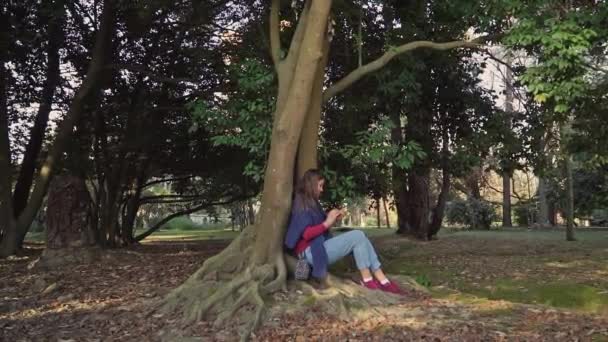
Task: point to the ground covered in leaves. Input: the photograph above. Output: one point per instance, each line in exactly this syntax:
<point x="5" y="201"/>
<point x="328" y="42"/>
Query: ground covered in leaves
<point x="483" y="286"/>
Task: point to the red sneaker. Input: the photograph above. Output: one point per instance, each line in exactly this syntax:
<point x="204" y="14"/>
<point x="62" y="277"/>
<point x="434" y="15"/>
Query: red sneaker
<point x="392" y="288"/>
<point x="372" y="284"/>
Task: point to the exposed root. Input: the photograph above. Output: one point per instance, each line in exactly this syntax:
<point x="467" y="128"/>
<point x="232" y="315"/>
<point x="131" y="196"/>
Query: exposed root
<point x="232" y="289"/>
<point x="224" y="285"/>
<point x="258" y="315"/>
<point x="280" y="283"/>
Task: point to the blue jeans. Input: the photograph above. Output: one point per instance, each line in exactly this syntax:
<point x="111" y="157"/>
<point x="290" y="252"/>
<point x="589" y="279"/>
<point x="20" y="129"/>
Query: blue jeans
<point x="354" y="242"/>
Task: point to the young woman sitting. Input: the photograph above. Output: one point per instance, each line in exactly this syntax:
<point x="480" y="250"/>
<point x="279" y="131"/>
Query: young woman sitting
<point x="308" y="236"/>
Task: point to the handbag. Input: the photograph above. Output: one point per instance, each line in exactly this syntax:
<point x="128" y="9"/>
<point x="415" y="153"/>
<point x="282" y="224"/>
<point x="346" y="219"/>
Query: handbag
<point x="302" y="269"/>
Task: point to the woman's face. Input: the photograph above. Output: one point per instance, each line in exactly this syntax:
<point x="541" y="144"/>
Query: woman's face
<point x="320" y="185"/>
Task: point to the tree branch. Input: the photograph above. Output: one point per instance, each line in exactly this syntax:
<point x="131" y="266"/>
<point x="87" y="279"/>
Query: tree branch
<point x="377" y="64"/>
<point x="275" y="38"/>
<point x="158" y="225"/>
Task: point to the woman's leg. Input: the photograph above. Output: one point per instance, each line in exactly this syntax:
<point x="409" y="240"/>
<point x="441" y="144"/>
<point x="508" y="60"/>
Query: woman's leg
<point x="354" y="242"/>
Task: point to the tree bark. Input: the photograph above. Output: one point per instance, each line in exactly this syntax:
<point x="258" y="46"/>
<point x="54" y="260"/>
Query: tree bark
<point x="68" y="216"/>
<point x="417" y="204"/>
<point x="69" y="234"/>
<point x="8" y="228"/>
<point x="388" y="222"/>
<point x="286" y="133"/>
<point x="506" y="199"/>
<point x="32" y="151"/>
<point x="90" y="85"/>
<point x="438" y="211"/>
<point x="472" y="181"/>
<point x="543" y="205"/>
<point x="570" y="200"/>
<point x="399" y="176"/>
<point x="378" y="222"/>
<point x="309" y="141"/>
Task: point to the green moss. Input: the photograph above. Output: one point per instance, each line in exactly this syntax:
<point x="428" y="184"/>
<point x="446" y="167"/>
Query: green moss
<point x="310" y="301"/>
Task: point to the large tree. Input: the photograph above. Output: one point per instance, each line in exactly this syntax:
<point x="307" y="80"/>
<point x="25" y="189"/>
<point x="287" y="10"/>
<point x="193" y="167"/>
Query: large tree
<point x="254" y="263"/>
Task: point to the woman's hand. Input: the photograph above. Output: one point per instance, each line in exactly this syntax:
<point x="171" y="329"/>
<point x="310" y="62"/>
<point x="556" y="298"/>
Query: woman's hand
<point x="332" y="216"/>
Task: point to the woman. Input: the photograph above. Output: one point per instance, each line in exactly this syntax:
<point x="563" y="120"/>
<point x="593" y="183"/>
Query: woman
<point x="308" y="236"/>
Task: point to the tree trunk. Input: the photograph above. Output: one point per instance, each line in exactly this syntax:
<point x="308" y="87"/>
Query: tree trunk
<point x="552" y="214"/>
<point x="507" y="172"/>
<point x="570" y="200"/>
<point x="378" y="222"/>
<point x="506" y="199"/>
<point x="417" y="206"/>
<point x="439" y="210"/>
<point x="472" y="181"/>
<point x="8" y="227"/>
<point x="388" y="222"/>
<point x="543" y="205"/>
<point x="28" y="166"/>
<point x="259" y="250"/>
<point x="309" y="141"/>
<point x="132" y="206"/>
<point x="399" y="176"/>
<point x="90" y="85"/>
<point x="68" y="230"/>
<point x="417" y="203"/>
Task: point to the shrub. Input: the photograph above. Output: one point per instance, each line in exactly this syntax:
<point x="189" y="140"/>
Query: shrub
<point x="181" y="223"/>
<point x="525" y="213"/>
<point x="473" y="213"/>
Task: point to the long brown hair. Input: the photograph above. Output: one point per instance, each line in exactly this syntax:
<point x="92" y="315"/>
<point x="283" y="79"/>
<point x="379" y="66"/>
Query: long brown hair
<point x="306" y="190"/>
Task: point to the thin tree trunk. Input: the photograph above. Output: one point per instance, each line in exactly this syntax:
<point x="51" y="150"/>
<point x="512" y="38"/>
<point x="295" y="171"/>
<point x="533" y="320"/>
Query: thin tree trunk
<point x="90" y="85"/>
<point x="132" y="206"/>
<point x="7" y="221"/>
<point x="438" y="211"/>
<point x="507" y="172"/>
<point x="472" y="181"/>
<point x="388" y="222"/>
<point x="543" y="205"/>
<point x="399" y="176"/>
<point x="506" y="199"/>
<point x="378" y="222"/>
<point x="569" y="199"/>
<point x="32" y="151"/>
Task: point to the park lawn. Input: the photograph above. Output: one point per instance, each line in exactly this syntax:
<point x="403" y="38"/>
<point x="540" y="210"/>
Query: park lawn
<point x="477" y="283"/>
<point x="168" y="235"/>
<point x="519" y="266"/>
<point x="516" y="265"/>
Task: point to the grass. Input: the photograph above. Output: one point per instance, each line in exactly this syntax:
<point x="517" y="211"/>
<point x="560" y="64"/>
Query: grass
<point x="173" y="234"/>
<point x="193" y="235"/>
<point x="478" y="267"/>
<point x="518" y="266"/>
<point x="558" y="294"/>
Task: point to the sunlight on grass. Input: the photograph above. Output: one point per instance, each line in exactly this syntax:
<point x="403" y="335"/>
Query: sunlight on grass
<point x="193" y="235"/>
<point x="563" y="295"/>
<point x="480" y="305"/>
<point x="571" y="264"/>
